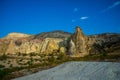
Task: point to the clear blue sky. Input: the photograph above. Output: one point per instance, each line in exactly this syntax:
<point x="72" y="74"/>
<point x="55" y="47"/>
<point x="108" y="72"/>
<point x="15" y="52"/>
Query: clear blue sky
<point x="36" y="16"/>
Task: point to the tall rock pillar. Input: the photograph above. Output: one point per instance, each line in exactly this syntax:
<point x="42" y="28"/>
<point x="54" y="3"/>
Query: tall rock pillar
<point x="79" y="40"/>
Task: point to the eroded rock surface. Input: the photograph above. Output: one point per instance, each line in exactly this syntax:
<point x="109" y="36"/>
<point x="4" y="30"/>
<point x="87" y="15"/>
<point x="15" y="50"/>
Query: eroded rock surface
<point x="78" y="71"/>
<point x="79" y="40"/>
<point x="75" y="45"/>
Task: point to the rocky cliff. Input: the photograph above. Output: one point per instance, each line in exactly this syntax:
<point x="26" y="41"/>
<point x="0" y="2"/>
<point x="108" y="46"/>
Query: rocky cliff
<point x="44" y="43"/>
<point x="79" y="40"/>
<point x="75" y="45"/>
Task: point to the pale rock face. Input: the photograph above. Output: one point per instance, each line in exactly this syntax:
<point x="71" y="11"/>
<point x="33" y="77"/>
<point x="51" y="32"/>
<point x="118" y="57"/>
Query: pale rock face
<point x="16" y="35"/>
<point x="48" y="45"/>
<point x="11" y="48"/>
<point x="44" y="45"/>
<point x="29" y="48"/>
<point x="63" y="50"/>
<point x="79" y="40"/>
<point x="72" y="48"/>
<point x="52" y="46"/>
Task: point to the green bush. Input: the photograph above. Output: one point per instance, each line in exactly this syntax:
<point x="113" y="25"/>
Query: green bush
<point x="2" y="66"/>
<point x="32" y="54"/>
<point x="11" y="65"/>
<point x="24" y="54"/>
<point x="51" y="59"/>
<point x="61" y="56"/>
<point x="3" y="57"/>
<point x="3" y="73"/>
<point x="104" y="54"/>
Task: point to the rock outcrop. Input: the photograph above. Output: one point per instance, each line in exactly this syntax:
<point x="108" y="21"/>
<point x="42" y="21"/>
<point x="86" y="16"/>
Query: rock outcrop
<point x="26" y="45"/>
<point x="10" y="48"/>
<point x="50" y="45"/>
<point x="75" y="45"/>
<point x="72" y="48"/>
<point x="81" y="45"/>
<point x="79" y="39"/>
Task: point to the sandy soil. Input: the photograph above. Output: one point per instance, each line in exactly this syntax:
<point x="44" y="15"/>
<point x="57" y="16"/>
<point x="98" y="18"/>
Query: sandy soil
<point x="78" y="71"/>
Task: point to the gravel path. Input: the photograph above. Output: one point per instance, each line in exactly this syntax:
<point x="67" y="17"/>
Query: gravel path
<point x="78" y="71"/>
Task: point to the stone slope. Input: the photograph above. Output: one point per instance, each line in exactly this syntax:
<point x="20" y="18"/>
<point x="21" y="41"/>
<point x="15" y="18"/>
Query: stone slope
<point x="78" y="71"/>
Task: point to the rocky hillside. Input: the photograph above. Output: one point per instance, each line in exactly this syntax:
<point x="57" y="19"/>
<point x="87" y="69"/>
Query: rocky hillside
<point x="75" y="45"/>
<point x="53" y="34"/>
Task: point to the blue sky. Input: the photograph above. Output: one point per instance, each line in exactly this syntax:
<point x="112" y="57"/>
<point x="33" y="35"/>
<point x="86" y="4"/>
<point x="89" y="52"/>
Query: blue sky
<point x="36" y="16"/>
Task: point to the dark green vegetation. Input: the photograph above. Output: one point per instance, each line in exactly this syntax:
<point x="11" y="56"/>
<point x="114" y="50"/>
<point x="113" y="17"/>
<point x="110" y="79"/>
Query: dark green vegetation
<point x="50" y="61"/>
<point x="3" y="57"/>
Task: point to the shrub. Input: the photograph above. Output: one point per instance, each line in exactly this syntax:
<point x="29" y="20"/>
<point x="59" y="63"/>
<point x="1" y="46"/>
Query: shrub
<point x="3" y="73"/>
<point x="104" y="54"/>
<point x="19" y="54"/>
<point x="30" y="63"/>
<point x="2" y="66"/>
<point x="51" y="59"/>
<point x="8" y="62"/>
<point x="3" y="57"/>
<point x="61" y="56"/>
<point x="11" y="65"/>
<point x="32" y="54"/>
<point x="21" y="60"/>
<point x="24" y="54"/>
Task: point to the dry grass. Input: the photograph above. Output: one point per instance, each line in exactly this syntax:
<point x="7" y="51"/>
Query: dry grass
<point x="51" y="61"/>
